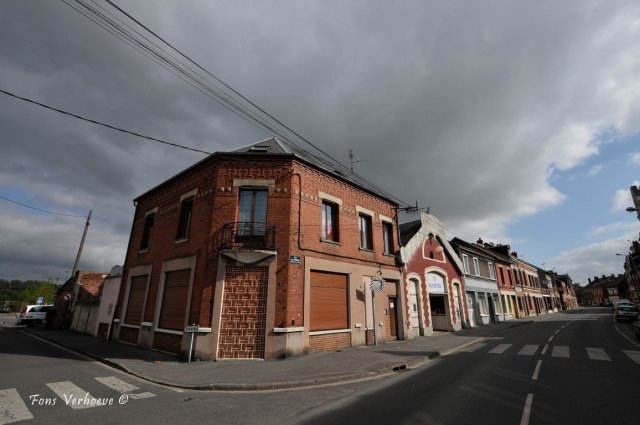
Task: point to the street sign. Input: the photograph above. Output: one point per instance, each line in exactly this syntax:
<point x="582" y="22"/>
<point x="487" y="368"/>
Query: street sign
<point x="40" y="300"/>
<point x="377" y="284"/>
<point x="67" y="296"/>
<point x="196" y="329"/>
<point x="294" y="259"/>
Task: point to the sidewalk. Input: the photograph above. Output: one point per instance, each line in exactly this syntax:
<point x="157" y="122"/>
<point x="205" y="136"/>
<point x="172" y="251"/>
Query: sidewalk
<point x="246" y="375"/>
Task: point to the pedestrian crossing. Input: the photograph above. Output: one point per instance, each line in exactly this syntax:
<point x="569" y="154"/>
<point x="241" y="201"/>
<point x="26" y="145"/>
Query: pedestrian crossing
<point x="556" y="351"/>
<point x="17" y="405"/>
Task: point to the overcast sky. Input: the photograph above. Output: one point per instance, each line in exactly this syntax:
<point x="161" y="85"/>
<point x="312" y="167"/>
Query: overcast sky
<point x="516" y="122"/>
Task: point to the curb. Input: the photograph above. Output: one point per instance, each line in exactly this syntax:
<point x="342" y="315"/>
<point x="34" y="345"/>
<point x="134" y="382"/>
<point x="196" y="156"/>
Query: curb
<point x="288" y="385"/>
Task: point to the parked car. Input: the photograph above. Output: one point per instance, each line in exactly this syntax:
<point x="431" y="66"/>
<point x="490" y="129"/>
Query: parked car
<point x="636" y="327"/>
<point x="34" y="315"/>
<point x="625" y="311"/>
<point x="5" y="309"/>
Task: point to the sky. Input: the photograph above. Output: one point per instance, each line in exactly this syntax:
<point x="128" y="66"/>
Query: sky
<point x="512" y="121"/>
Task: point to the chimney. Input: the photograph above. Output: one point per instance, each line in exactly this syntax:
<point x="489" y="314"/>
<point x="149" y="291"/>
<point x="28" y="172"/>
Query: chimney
<point x="480" y="241"/>
<point x="589" y="279"/>
<point x="515" y="254"/>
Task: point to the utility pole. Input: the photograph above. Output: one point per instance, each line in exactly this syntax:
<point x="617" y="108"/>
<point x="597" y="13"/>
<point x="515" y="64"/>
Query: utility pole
<point x="76" y="287"/>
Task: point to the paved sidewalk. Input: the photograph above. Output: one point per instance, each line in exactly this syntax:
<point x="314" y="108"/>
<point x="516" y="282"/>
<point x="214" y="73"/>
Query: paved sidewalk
<point x="256" y="375"/>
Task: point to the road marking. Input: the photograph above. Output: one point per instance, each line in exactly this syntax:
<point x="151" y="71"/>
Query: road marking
<point x="528" y="350"/>
<point x="544" y="349"/>
<point x="72" y="395"/>
<point x="560" y="351"/>
<point x="474" y="347"/>
<point x="550" y="338"/>
<point x="597" y="354"/>
<point x="12" y="407"/>
<point x="536" y="370"/>
<point x="526" y="412"/>
<point x="123" y="387"/>
<point x="556" y="332"/>
<point x="499" y="349"/>
<point x="633" y="355"/>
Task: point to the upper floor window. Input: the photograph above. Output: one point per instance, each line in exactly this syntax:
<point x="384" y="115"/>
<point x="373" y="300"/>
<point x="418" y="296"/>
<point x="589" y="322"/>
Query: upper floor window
<point x="186" y="210"/>
<point x="492" y="271"/>
<point x="387" y="237"/>
<point x="366" y="241"/>
<point x="330" y="221"/>
<point x="465" y="263"/>
<point x="252" y="212"/>
<point x="476" y="266"/>
<point x="149" y="220"/>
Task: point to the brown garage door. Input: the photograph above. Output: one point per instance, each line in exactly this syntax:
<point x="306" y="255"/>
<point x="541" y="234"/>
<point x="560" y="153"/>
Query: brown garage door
<point x="244" y="313"/>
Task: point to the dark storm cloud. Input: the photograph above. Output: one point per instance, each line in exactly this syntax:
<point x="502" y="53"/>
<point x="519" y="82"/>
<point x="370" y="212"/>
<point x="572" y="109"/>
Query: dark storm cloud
<point x="467" y="107"/>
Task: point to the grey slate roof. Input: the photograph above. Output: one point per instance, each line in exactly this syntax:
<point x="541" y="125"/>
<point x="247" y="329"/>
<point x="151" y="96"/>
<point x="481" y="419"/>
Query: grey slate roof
<point x="409" y="230"/>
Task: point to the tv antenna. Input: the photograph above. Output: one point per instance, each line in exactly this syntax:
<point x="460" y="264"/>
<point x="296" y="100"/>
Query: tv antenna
<point x="353" y="159"/>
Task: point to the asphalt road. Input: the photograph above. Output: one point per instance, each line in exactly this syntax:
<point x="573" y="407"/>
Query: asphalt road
<point x="562" y="369"/>
<point x="582" y="364"/>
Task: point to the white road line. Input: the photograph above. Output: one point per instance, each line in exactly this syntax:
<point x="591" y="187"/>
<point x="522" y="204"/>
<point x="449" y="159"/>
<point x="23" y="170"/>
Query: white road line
<point x="474" y="347"/>
<point x="123" y="387"/>
<point x="528" y="350"/>
<point x="536" y="370"/>
<point x="597" y="354"/>
<point x="560" y="351"/>
<point x="633" y="355"/>
<point x="12" y="407"/>
<point x="556" y="332"/>
<point x="500" y="348"/>
<point x="526" y="412"/>
<point x="551" y="338"/>
<point x="544" y="349"/>
<point x="72" y="395"/>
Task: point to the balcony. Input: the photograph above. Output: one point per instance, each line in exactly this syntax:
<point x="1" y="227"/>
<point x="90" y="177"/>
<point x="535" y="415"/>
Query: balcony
<point x="245" y="236"/>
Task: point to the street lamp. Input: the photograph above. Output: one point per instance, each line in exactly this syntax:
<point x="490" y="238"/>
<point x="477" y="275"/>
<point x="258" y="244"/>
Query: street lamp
<point x="632" y="209"/>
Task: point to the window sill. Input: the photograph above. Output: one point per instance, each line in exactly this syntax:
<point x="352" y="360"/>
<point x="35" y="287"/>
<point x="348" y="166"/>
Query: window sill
<point x="288" y="330"/>
<point x="387" y="254"/>
<point x="179" y="241"/>
<point x="168" y="331"/>
<point x="336" y="331"/>
<point x="330" y="242"/>
<point x="367" y="250"/>
<point x="143" y="251"/>
<point x="127" y="325"/>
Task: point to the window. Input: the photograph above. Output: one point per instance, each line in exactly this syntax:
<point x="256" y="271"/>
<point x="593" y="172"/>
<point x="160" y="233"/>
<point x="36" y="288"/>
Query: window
<point x="328" y="302"/>
<point x="252" y="212"/>
<point x="366" y="241"/>
<point x="174" y="300"/>
<point x="330" y="221"/>
<point x="502" y="277"/>
<point x="476" y="266"/>
<point x="186" y="209"/>
<point x="137" y="289"/>
<point x="492" y="271"/>
<point x="387" y="237"/>
<point x="465" y="263"/>
<point x="149" y="220"/>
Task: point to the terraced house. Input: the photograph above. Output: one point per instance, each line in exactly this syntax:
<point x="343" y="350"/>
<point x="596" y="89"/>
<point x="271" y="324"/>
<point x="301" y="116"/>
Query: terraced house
<point x="269" y="249"/>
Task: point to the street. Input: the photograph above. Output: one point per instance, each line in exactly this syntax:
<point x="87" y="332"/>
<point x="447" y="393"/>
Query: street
<point x="579" y="368"/>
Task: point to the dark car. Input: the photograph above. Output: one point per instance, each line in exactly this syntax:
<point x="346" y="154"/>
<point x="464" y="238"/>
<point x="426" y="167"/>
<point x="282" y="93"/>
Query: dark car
<point x="636" y="327"/>
<point x="5" y="309"/>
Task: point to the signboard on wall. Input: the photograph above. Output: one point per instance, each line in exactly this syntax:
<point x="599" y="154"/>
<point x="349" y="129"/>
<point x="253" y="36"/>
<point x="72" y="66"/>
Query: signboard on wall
<point x="436" y="284"/>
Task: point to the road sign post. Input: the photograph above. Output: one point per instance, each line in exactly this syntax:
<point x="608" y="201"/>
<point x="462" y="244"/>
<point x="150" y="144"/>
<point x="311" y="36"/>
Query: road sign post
<point x="193" y="330"/>
<point x="377" y="284"/>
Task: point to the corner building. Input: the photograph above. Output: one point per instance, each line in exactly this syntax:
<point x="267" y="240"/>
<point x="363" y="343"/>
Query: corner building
<point x="269" y="249"/>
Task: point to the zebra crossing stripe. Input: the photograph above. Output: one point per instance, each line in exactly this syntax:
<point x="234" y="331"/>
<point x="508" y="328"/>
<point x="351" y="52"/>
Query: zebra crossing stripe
<point x="633" y="355"/>
<point x="528" y="350"/>
<point x="123" y="387"/>
<point x="73" y="396"/>
<point x="597" y="354"/>
<point x="560" y="351"/>
<point x="12" y="408"/>
<point x="500" y="348"/>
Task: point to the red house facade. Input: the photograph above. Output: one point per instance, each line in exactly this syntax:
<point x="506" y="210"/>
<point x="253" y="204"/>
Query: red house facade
<point x="269" y="250"/>
<point x="436" y="298"/>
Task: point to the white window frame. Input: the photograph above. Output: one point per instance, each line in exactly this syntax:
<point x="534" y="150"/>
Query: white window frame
<point x="492" y="270"/>
<point x="465" y="264"/>
<point x="476" y="266"/>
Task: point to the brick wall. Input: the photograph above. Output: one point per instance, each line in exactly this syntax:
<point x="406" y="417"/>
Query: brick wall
<point x="244" y="312"/>
<point x="129" y="335"/>
<point x="166" y="342"/>
<point x="329" y="342"/>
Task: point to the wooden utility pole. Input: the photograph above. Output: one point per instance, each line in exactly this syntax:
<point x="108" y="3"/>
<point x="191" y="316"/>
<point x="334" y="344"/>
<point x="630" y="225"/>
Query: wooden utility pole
<point x="76" y="287"/>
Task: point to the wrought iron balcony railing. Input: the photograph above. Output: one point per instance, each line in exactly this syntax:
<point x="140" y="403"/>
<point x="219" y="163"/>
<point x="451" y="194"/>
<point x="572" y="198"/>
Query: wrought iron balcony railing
<point x="245" y="236"/>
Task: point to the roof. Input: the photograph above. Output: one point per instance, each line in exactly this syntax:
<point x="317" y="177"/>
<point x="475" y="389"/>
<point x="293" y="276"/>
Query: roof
<point x="409" y="230"/>
<point x="274" y="147"/>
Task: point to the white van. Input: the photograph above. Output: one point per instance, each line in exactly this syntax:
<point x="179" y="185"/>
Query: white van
<point x="34" y="315"/>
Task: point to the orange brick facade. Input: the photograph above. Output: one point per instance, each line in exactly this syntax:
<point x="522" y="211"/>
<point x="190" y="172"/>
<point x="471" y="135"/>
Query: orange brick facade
<point x="244" y="326"/>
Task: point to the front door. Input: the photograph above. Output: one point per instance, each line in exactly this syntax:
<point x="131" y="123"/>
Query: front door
<point x="470" y="303"/>
<point x="393" y="319"/>
<point x="414" y="315"/>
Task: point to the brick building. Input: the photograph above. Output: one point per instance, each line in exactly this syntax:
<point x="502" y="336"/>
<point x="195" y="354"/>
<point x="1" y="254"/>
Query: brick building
<point x="270" y="249"/>
<point x="436" y="298"/>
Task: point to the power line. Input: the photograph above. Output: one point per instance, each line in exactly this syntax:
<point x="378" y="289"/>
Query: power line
<point x="133" y="133"/>
<point x="39" y="209"/>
